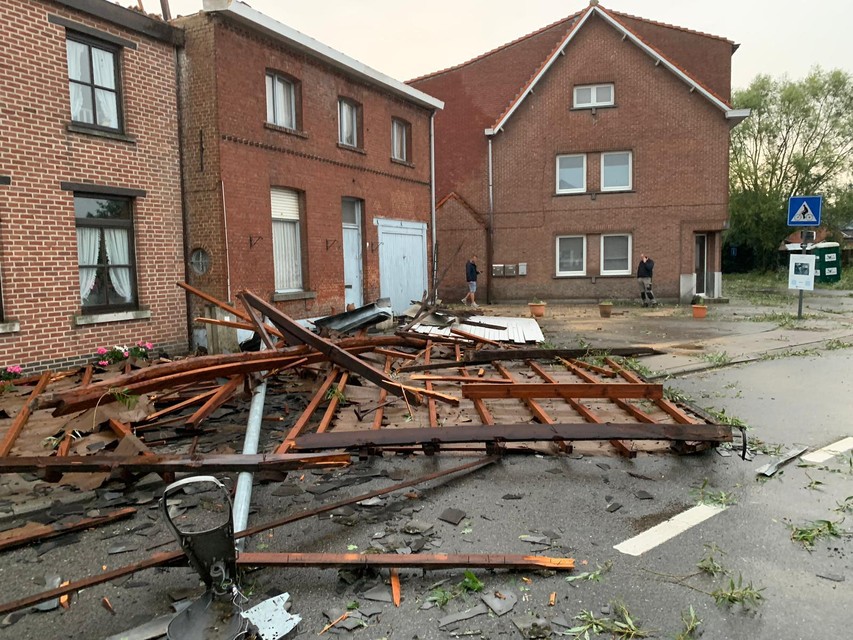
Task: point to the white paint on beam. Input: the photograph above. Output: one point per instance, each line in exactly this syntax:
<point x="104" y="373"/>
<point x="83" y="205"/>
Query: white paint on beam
<point x="667" y="530"/>
<point x="829" y="451"/>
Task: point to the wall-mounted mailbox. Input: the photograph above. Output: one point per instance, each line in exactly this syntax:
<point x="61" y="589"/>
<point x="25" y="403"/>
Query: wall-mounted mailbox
<point x="522" y="268"/>
<point x="497" y="270"/>
<point x="510" y="269"/>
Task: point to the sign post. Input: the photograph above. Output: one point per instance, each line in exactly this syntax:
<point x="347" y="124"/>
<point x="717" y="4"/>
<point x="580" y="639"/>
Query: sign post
<point x="803" y="211"/>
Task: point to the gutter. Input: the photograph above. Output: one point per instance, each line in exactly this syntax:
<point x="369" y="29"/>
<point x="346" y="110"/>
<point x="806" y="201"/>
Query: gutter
<point x="490" y="233"/>
<point x="432" y="213"/>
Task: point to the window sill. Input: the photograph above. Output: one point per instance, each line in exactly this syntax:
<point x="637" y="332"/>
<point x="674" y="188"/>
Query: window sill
<point x="618" y="274"/>
<point x="594" y="194"/>
<point x="291" y="132"/>
<point x="287" y="296"/>
<point x="99" y="133"/>
<point x="117" y="316"/>
<point x="347" y="147"/>
<point x="593" y="108"/>
<point x="405" y="163"/>
<point x="9" y="327"/>
<point x="561" y="276"/>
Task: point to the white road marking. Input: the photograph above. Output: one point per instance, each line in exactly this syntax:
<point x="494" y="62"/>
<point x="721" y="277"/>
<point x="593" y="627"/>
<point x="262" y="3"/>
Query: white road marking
<point x="664" y="531"/>
<point x="829" y="452"/>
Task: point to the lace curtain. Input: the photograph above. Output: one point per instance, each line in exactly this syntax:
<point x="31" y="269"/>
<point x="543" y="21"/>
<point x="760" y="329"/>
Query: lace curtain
<point x="88" y="247"/>
<point x="118" y="253"/>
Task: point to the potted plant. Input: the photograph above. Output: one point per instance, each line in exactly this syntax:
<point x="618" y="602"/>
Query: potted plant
<point x="605" y="308"/>
<point x="700" y="311"/>
<point x="537" y="308"/>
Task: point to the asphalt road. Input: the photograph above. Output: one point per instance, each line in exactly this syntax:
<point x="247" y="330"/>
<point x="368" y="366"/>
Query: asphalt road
<point x="803" y="593"/>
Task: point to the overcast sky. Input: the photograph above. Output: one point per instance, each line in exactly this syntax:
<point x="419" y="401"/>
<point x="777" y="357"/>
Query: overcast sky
<point x="409" y="38"/>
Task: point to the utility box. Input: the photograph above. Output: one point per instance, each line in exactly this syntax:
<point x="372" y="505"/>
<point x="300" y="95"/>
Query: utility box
<point x="510" y="270"/>
<point x="497" y="270"/>
<point x="827" y="262"/>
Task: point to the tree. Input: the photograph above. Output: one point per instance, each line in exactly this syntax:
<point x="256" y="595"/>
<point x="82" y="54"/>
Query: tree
<point x="797" y="141"/>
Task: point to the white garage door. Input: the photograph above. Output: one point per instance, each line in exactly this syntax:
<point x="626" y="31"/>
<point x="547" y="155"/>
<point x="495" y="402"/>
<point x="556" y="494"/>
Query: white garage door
<point x="402" y="261"/>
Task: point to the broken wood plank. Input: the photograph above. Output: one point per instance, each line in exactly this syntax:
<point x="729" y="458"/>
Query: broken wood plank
<point x="402" y="355"/>
<point x="215" y="401"/>
<point x="675" y="412"/>
<point x="124" y="432"/>
<point x="180" y="406"/>
<point x="27" y="535"/>
<point x="260" y="327"/>
<point x="563" y="390"/>
<point x="215" y="301"/>
<point x="431" y="378"/>
<point x="334" y="401"/>
<point x="513" y="433"/>
<point x="295" y="334"/>
<point x="415" y="560"/>
<point x="23" y="415"/>
<point x="303" y="420"/>
<point x="474" y="337"/>
<point x="486" y="356"/>
<point x="395" y="587"/>
<point x="607" y="373"/>
<point x="383" y="396"/>
<point x="168" y="463"/>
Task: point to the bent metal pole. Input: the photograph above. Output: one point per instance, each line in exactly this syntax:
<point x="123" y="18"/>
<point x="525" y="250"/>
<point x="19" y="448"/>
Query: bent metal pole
<point x="243" y="494"/>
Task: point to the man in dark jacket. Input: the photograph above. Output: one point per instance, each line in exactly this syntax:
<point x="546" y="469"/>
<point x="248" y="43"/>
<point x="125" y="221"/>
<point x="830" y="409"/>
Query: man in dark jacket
<point x="471" y="278"/>
<point x="644" y="277"/>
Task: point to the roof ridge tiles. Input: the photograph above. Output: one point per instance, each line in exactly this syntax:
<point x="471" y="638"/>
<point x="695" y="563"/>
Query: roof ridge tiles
<point x="667" y="25"/>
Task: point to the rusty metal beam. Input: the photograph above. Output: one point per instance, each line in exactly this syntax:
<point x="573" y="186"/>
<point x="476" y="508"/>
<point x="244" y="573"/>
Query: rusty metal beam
<point x="23" y="415"/>
<point x="492" y="433"/>
<point x="415" y="560"/>
<point x="561" y="390"/>
<point x="169" y="463"/>
<point x="17" y="538"/>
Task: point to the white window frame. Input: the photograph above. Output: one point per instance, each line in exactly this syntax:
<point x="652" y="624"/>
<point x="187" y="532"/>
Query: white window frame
<point x="593" y="91"/>
<point x="273" y="80"/>
<point x="617" y="272"/>
<point x="582" y="188"/>
<point x="399" y="132"/>
<point x="582" y="271"/>
<point x="289" y="218"/>
<point x="630" y="184"/>
<point x="348" y="109"/>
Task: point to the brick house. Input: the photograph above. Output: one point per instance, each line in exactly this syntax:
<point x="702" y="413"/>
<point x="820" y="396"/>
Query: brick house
<point x="90" y="194"/>
<point x="308" y="174"/>
<point x="565" y="154"/>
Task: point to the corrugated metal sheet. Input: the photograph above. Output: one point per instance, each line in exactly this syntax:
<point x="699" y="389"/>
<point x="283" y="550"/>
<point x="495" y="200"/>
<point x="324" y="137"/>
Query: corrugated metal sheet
<point x="518" y="330"/>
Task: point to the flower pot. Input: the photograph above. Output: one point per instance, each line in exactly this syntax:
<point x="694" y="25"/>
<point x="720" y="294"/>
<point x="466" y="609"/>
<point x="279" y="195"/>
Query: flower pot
<point x="700" y="311"/>
<point x="537" y="309"/>
<point x="605" y="309"/>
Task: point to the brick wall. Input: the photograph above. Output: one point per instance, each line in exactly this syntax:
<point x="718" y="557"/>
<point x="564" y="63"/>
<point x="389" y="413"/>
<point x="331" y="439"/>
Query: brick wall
<point x="38" y="247"/>
<point x="679" y="143"/>
<point x="251" y="158"/>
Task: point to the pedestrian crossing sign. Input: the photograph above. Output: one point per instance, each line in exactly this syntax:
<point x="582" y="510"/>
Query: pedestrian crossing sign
<point x="804" y="211"/>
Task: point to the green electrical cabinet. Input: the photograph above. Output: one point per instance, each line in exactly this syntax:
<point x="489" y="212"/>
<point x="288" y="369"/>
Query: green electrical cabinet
<point x="827" y="261"/>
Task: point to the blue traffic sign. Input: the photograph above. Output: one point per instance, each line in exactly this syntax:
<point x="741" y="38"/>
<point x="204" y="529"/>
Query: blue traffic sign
<point x="804" y="211"/>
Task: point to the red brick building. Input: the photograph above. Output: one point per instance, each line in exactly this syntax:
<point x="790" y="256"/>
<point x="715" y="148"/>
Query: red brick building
<point x="308" y="175"/>
<point x="565" y="154"/>
<point x="90" y="195"/>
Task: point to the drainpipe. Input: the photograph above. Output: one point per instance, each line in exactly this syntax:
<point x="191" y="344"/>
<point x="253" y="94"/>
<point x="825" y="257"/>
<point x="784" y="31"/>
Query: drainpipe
<point x="243" y="493"/>
<point x="432" y="206"/>
<point x="490" y="233"/>
<point x="184" y="206"/>
<point x="227" y="256"/>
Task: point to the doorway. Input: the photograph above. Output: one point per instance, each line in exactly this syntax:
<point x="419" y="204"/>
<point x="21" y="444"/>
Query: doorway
<point x="701" y="266"/>
<point x="351" y="213"/>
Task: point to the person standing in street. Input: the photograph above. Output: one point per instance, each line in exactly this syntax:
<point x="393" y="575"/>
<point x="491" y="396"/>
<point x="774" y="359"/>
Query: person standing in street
<point x="644" y="277"/>
<point x="471" y="273"/>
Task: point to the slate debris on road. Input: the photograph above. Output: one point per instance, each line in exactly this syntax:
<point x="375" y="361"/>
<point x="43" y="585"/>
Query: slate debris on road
<point x="452" y="516"/>
<point x="500" y="603"/>
<point x="453" y="618"/>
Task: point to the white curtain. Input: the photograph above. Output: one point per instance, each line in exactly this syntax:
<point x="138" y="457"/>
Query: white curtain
<point x="88" y="246"/>
<point x="118" y="253"/>
<point x="287" y="261"/>
<point x="103" y="64"/>
<point x="78" y="69"/>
